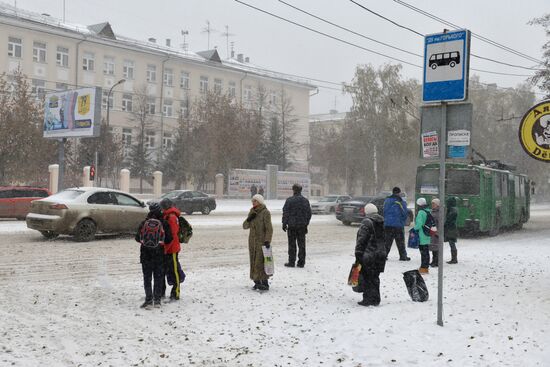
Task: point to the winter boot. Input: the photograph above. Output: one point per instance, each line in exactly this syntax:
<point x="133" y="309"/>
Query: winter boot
<point x="454" y="260"/>
<point x="157" y="304"/>
<point x="256" y="284"/>
<point x="435" y="258"/>
<point x="424" y="270"/>
<point x="289" y="264"/>
<point x="263" y="286"/>
<point x="148" y="305"/>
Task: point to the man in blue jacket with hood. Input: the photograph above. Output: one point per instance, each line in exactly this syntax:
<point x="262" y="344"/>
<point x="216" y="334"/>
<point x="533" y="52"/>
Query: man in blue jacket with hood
<point x="395" y="215"/>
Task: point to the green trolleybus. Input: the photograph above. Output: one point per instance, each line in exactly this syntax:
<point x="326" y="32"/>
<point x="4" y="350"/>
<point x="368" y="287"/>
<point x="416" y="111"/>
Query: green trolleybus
<point x="489" y="196"/>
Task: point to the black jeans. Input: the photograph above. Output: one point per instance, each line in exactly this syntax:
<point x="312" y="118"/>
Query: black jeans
<point x="397" y="234"/>
<point x="424" y="256"/>
<point x="452" y="243"/>
<point x="297" y="235"/>
<point x="371" y="295"/>
<point x="153" y="270"/>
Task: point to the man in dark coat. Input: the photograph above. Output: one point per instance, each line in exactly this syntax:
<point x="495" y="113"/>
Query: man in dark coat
<point x="451" y="229"/>
<point x="370" y="252"/>
<point x="296" y="217"/>
<point x="152" y="260"/>
<point x="395" y="215"/>
<point x="253" y="190"/>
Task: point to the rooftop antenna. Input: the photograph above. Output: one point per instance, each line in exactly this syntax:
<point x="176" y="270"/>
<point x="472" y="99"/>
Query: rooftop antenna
<point x="208" y="30"/>
<point x="184" y="45"/>
<point x="63" y="11"/>
<point x="226" y="34"/>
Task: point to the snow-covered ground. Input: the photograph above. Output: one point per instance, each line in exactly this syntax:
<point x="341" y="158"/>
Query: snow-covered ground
<point x="67" y="304"/>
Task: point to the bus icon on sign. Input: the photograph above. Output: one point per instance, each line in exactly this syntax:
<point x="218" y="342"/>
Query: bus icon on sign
<point x="444" y="58"/>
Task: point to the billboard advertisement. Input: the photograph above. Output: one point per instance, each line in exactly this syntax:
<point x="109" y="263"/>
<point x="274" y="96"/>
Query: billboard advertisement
<point x="241" y="180"/>
<point x="73" y="113"/>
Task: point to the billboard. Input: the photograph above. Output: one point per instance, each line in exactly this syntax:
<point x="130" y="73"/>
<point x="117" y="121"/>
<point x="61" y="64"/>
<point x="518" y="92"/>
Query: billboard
<point x="241" y="180"/>
<point x="73" y="113"/>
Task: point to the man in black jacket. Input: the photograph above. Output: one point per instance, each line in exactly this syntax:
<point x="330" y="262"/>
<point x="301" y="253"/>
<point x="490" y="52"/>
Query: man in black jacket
<point x="296" y="217"/>
<point x="370" y="252"/>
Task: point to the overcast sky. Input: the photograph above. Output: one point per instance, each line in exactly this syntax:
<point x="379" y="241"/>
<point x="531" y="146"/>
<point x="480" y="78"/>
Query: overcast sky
<point x="276" y="45"/>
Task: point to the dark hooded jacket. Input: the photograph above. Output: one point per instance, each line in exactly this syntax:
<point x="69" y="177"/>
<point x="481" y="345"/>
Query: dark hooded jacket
<point x="451" y="229"/>
<point x="148" y="255"/>
<point x="296" y="212"/>
<point x="370" y="248"/>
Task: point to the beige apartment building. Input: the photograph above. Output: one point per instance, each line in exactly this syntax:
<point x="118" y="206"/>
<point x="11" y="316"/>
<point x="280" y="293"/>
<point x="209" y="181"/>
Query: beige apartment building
<point x="58" y="55"/>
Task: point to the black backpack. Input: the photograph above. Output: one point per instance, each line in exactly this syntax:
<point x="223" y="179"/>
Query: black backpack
<point x="152" y="233"/>
<point x="185" y="230"/>
<point x="430" y="222"/>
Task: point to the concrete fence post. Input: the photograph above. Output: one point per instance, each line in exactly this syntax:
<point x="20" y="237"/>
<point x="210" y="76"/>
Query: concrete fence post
<point x="53" y="169"/>
<point x="219" y="186"/>
<point x="125" y="180"/>
<point x="157" y="184"/>
<point x="86" y="177"/>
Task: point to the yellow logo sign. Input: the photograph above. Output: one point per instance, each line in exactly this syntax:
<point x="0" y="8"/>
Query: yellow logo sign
<point x="534" y="132"/>
<point x="84" y="104"/>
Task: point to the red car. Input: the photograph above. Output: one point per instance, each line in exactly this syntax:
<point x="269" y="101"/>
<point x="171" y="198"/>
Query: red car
<point x="15" y="201"/>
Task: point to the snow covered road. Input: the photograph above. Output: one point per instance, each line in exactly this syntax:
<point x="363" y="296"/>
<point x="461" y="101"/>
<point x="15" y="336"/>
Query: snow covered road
<point x="67" y="304"/>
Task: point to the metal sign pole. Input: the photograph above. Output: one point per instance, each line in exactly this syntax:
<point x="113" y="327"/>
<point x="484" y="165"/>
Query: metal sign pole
<point x="61" y="159"/>
<point x="441" y="222"/>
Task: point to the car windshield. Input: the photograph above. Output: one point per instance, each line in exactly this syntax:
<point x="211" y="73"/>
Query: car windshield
<point x="66" y="195"/>
<point x="171" y="195"/>
<point x="328" y="199"/>
<point x="364" y="199"/>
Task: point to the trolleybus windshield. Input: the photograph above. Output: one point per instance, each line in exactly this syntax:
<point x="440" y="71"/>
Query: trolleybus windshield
<point x="459" y="182"/>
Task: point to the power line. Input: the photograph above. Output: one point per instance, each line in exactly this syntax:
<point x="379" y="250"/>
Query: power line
<point x="349" y="30"/>
<point x="420" y="34"/>
<point x="327" y="35"/>
<point x="481" y="38"/>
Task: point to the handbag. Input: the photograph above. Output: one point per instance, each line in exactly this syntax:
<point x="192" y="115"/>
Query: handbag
<point x="269" y="267"/>
<point x="353" y="278"/>
<point x="414" y="239"/>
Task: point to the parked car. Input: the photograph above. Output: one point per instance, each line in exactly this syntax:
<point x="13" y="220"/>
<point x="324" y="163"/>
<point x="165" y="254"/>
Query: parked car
<point x="15" y="201"/>
<point x="83" y="212"/>
<point x="353" y="211"/>
<point x="327" y="204"/>
<point x="190" y="201"/>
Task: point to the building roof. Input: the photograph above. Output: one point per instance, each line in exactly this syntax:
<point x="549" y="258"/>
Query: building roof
<point x="103" y="32"/>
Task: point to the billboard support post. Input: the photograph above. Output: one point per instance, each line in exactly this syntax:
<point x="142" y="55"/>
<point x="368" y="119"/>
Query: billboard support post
<point x="61" y="162"/>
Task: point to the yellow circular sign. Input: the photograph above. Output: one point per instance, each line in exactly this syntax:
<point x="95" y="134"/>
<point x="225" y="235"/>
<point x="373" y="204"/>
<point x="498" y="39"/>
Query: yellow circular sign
<point x="534" y="132"/>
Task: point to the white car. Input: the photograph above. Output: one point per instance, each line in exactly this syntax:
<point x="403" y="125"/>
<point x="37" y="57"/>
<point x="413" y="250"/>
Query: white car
<point x="84" y="211"/>
<point x="327" y="204"/>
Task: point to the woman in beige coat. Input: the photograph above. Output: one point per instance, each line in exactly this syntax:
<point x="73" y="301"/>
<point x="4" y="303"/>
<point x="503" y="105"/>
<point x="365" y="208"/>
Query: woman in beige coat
<point x="261" y="231"/>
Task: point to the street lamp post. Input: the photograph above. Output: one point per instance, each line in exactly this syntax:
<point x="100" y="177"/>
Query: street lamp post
<point x="109" y="98"/>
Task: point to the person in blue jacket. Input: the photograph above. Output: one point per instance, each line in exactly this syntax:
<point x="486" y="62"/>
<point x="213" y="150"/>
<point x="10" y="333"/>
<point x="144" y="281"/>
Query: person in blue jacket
<point x="395" y="215"/>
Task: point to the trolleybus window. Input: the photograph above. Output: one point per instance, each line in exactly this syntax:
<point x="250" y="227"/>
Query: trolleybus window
<point x="462" y="182"/>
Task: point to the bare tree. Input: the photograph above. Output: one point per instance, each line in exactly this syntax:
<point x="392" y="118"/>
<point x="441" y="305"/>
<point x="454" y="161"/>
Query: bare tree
<point x="140" y="156"/>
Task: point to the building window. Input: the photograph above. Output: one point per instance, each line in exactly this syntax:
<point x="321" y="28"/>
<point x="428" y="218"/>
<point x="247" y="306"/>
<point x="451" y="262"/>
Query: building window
<point x="38" y="88"/>
<point x="38" y="52"/>
<point x="151" y="106"/>
<point x="184" y="80"/>
<point x="168" y="77"/>
<point x="273" y="98"/>
<point x="152" y="73"/>
<point x="167" y="108"/>
<point x="150" y="139"/>
<point x="184" y="108"/>
<point x="109" y="65"/>
<point x="232" y="89"/>
<point x="15" y="47"/>
<point x="127" y="102"/>
<point x="128" y="69"/>
<point x="126" y="137"/>
<point x="88" y="61"/>
<point x="248" y="94"/>
<point x="60" y="86"/>
<point x="104" y="100"/>
<point x="62" y="56"/>
<point x="203" y="87"/>
<point x="167" y="141"/>
<point x="217" y="85"/>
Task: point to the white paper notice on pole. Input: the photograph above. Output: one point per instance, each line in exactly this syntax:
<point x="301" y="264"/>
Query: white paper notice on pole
<point x="458" y="137"/>
<point x="430" y="145"/>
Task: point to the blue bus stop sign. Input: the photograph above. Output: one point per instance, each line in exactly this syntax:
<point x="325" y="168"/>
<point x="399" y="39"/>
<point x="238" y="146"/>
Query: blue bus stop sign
<point x="446" y="66"/>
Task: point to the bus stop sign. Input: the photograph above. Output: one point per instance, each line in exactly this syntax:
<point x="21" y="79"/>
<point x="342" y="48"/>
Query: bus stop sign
<point x="446" y="66"/>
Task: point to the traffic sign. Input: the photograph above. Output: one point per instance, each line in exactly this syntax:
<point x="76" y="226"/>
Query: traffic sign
<point x="446" y="66"/>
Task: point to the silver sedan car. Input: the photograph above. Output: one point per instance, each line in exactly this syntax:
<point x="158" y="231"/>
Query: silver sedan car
<point x="85" y="211"/>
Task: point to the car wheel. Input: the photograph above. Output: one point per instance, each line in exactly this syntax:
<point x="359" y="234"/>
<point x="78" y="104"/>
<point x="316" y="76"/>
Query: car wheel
<point x="188" y="212"/>
<point x="205" y="210"/>
<point x="85" y="230"/>
<point x="346" y="223"/>
<point x="452" y="64"/>
<point x="49" y="234"/>
<point x="332" y="210"/>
